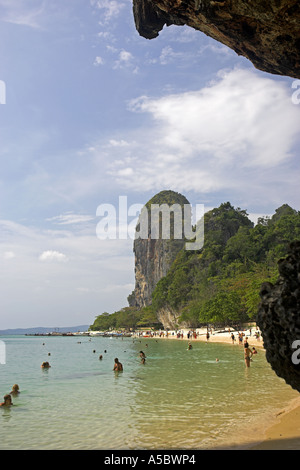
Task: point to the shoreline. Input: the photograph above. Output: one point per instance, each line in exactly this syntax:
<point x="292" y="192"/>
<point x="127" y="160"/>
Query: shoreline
<point x="282" y="431"/>
<point x="215" y="337"/>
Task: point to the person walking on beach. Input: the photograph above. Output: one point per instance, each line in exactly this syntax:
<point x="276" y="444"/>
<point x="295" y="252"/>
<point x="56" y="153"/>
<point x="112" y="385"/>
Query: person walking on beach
<point x="118" y="366"/>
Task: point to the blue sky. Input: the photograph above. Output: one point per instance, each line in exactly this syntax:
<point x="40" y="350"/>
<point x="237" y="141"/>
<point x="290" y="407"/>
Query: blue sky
<point x="93" y="112"/>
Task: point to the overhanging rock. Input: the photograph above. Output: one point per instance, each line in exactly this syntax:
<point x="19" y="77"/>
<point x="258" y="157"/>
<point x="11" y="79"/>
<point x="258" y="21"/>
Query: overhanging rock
<point x="267" y="32"/>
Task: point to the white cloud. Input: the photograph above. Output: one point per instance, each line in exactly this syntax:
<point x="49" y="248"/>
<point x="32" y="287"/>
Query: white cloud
<point x="50" y="255"/>
<point x="125" y="56"/>
<point x="236" y="134"/>
<point x="125" y="60"/>
<point x="103" y="34"/>
<point x="109" y="289"/>
<point x="35" y="14"/>
<point x="110" y="8"/>
<point x="239" y="128"/>
<point x="98" y="61"/>
<point x="121" y="288"/>
<point x="186" y="57"/>
<point x="168" y="55"/>
<point x="9" y="255"/>
<point x="118" y="143"/>
<point x="17" y="12"/>
<point x="126" y="171"/>
<point x="70" y="218"/>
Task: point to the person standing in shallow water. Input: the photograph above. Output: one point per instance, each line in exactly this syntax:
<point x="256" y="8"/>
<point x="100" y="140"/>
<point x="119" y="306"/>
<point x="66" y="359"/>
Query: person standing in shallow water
<point x="118" y="366"/>
<point x="248" y="354"/>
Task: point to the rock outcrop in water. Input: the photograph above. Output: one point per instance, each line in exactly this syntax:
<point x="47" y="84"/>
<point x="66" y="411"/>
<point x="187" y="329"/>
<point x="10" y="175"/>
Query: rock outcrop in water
<point x="154" y="256"/>
<point x="265" y="32"/>
<point x="279" y="318"/>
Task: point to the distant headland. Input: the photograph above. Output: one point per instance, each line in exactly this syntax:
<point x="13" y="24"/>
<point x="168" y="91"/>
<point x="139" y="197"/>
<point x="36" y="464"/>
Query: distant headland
<point x="44" y="330"/>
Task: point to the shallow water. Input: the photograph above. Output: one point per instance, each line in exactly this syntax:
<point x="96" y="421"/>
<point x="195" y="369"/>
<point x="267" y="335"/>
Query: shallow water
<point x="178" y="399"/>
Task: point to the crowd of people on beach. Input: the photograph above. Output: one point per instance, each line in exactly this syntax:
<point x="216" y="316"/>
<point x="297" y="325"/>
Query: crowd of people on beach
<point x="194" y="334"/>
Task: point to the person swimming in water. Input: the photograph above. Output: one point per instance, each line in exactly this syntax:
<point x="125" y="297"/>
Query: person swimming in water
<point x="7" y="401"/>
<point x="45" y="365"/>
<point x="15" y="390"/>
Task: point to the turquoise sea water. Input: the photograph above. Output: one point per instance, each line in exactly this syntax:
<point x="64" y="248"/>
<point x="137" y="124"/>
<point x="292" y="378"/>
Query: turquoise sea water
<point x="178" y="399"/>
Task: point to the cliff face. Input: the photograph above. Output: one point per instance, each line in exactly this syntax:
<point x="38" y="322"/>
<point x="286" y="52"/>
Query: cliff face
<point x="153" y="259"/>
<point x="154" y="256"/>
<point x="279" y="319"/>
<point x="267" y="32"/>
<point x="170" y="318"/>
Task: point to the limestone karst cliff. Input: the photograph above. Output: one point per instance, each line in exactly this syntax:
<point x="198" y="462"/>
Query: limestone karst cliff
<point x="154" y="256"/>
<point x="265" y="32"/>
<point x="219" y="283"/>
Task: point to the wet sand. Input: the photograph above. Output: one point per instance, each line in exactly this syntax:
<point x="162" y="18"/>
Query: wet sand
<point x="285" y="433"/>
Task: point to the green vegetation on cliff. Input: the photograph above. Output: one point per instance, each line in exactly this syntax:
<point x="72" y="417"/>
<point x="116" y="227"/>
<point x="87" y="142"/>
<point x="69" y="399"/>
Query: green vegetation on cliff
<point x="127" y="318"/>
<point x="167" y="197"/>
<point x="220" y="283"/>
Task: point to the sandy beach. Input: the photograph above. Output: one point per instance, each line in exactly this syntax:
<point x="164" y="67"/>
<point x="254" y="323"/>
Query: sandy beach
<point x="283" y="431"/>
<point x="214" y="337"/>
